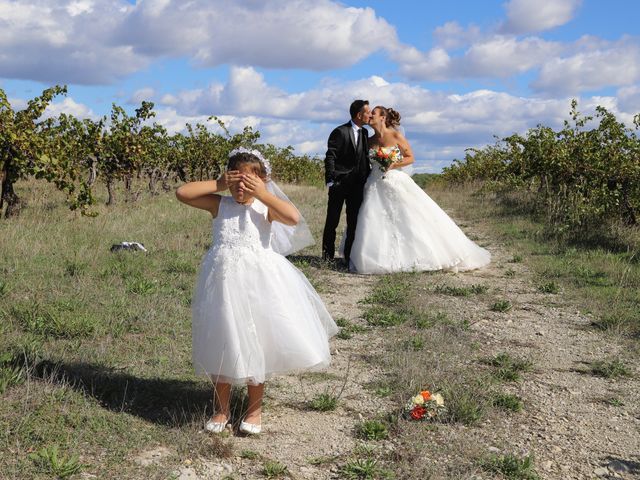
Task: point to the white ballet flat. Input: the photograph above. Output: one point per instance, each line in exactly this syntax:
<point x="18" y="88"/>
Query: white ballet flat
<point x="215" y="427"/>
<point x="250" y="428"/>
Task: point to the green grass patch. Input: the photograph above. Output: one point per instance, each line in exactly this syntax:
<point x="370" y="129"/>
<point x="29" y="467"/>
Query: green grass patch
<point x="364" y="469"/>
<point x="510" y="466"/>
<point x="501" y="306"/>
<point x="371" y="430"/>
<point x="140" y="285"/>
<point x="390" y="290"/>
<point x="61" y="319"/>
<point x="424" y="320"/>
<point x="12" y="371"/>
<point x="508" y="368"/>
<point x="50" y="460"/>
<point x="324" y="402"/>
<point x="549" y="287"/>
<point x="507" y="401"/>
<point x="348" y="329"/>
<point x="612" y="368"/>
<point x="465" y="404"/>
<point x="466" y="291"/>
<point x="75" y="268"/>
<point x="382" y="316"/>
<point x="274" y="469"/>
<point x="249" y="454"/>
<point x="613" y="402"/>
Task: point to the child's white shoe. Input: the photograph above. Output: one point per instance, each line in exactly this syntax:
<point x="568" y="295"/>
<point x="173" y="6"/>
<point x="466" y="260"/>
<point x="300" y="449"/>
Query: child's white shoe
<point x="250" y="428"/>
<point x="215" y="427"/>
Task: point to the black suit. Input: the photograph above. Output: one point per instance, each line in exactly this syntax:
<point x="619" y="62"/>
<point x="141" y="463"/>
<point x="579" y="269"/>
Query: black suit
<point x="347" y="166"/>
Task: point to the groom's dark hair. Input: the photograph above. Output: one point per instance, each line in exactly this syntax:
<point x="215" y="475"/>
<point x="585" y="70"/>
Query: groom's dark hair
<point x="356" y="106"/>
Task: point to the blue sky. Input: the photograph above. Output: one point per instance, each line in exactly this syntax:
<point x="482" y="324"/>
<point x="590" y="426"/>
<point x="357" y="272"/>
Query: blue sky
<point x="459" y="72"/>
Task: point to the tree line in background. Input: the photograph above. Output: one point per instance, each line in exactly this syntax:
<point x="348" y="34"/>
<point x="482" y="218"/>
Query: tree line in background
<point x="74" y="154"/>
<point x="581" y="178"/>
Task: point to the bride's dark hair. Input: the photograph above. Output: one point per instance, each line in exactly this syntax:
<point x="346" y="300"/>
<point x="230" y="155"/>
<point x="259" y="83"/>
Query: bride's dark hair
<point x="392" y="118"/>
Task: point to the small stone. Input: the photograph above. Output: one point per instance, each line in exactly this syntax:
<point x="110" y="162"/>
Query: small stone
<point x="494" y="450"/>
<point x="187" y="473"/>
<point x="548" y="465"/>
<point x="601" y="472"/>
<point x="619" y="466"/>
<point x="151" y="457"/>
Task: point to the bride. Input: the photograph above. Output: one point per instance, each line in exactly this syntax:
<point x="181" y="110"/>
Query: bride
<point x="400" y="228"/>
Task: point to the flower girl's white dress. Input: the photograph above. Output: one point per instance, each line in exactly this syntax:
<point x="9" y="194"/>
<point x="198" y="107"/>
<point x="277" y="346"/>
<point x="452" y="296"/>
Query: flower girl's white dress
<point x="254" y="313"/>
<point x="400" y="228"/>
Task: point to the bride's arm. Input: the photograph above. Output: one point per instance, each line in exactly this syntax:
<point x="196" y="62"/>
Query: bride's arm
<point x="405" y="149"/>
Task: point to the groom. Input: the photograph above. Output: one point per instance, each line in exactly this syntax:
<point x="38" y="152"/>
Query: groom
<point x="346" y="167"/>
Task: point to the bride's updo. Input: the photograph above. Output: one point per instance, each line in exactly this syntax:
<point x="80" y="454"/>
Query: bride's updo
<point x="392" y="118"/>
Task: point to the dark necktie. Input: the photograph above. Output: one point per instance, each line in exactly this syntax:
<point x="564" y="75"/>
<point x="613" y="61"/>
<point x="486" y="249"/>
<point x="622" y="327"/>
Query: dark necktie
<point x="359" y="141"/>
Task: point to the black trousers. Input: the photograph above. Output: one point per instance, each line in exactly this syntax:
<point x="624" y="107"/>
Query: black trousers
<point x="349" y="191"/>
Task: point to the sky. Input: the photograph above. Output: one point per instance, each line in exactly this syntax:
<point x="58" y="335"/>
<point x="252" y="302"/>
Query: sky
<point x="461" y="72"/>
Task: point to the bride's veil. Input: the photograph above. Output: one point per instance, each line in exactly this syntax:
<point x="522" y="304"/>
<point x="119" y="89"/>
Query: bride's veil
<point x="409" y="168"/>
<point x="288" y="239"/>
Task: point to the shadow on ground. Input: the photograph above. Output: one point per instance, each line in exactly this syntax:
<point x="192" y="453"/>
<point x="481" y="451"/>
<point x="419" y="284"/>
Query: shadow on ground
<point x="164" y="401"/>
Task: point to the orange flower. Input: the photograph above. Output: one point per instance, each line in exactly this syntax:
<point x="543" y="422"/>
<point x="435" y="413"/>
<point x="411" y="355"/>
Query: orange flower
<point x="426" y="395"/>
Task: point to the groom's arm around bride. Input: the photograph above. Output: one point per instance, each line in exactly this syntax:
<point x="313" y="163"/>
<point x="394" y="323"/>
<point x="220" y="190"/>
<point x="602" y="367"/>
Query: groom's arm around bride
<point x="346" y="170"/>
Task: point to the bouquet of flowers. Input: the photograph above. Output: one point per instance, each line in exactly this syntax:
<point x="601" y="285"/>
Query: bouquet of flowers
<point x="425" y="406"/>
<point x="385" y="156"/>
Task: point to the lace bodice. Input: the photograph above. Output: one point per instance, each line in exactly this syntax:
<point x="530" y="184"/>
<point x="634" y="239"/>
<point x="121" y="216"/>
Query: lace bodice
<point x="240" y="226"/>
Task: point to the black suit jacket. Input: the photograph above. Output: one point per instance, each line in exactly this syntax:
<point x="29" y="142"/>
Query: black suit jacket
<point x="343" y="159"/>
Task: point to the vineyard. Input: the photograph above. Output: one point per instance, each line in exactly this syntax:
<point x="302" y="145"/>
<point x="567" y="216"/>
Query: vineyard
<point x="581" y="178"/>
<point x="73" y="154"/>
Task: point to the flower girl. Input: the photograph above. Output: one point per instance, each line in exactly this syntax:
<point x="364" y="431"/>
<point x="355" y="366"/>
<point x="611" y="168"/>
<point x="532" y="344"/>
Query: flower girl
<point x="254" y="314"/>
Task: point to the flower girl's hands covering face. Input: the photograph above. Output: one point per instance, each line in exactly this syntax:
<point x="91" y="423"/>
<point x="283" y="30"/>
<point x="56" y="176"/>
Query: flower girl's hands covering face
<point x="253" y="185"/>
<point x="232" y="177"/>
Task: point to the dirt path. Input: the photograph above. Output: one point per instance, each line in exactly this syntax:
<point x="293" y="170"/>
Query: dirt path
<point x="577" y="425"/>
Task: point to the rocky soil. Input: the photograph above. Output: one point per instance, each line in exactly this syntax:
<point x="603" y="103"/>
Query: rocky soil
<point x="576" y="425"/>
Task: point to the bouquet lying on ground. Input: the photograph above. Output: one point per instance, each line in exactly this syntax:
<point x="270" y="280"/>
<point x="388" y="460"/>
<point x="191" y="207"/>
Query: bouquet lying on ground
<point x="385" y="156"/>
<point x="425" y="406"/>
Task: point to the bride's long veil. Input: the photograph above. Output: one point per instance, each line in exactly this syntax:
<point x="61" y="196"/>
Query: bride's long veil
<point x="409" y="168"/>
<point x="288" y="239"/>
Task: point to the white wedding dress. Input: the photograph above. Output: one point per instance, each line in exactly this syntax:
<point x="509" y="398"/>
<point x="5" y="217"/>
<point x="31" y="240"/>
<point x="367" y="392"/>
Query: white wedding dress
<point x="400" y="228"/>
<point x="254" y="313"/>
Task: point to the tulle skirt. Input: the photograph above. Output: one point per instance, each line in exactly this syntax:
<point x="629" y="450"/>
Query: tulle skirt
<point x="256" y="315"/>
<point x="400" y="228"/>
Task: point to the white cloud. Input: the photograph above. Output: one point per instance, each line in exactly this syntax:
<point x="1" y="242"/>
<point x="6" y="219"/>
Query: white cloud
<point x="527" y="16"/>
<point x="60" y="42"/>
<point x="629" y="99"/>
<point x="88" y="42"/>
<point x="439" y="125"/>
<point x="142" y="94"/>
<point x="70" y="107"/>
<point x="452" y="35"/>
<point x="495" y="56"/>
<point x="596" y="64"/>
